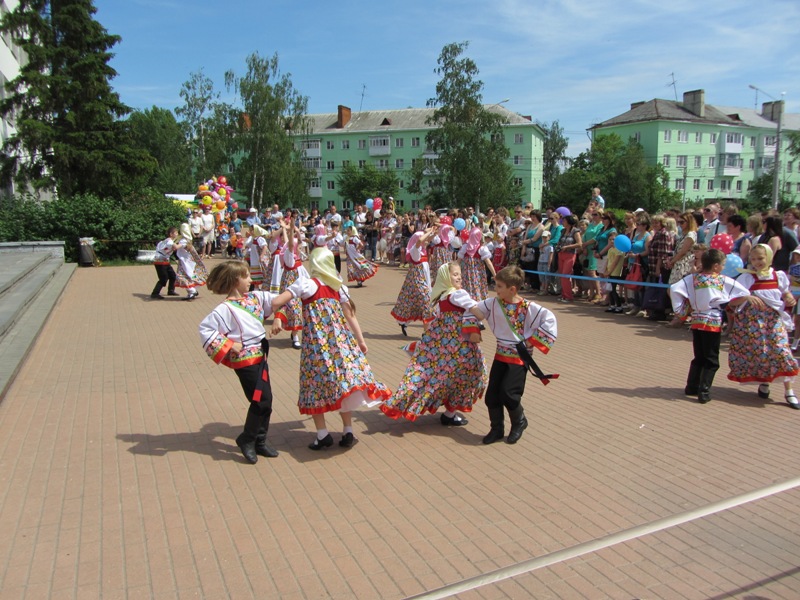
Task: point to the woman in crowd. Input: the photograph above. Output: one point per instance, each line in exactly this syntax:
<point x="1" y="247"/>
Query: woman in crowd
<point x="662" y="247"/>
<point x="568" y="249"/>
<point x="737" y="230"/>
<point x="782" y="244"/>
<point x="791" y="220"/>
<point x="531" y="241"/>
<point x="599" y="250"/>
<point x="640" y="248"/>
<point x="681" y="262"/>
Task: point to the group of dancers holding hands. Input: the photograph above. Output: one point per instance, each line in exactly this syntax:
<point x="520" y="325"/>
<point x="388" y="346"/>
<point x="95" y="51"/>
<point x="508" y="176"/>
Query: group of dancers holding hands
<point x="446" y="368"/>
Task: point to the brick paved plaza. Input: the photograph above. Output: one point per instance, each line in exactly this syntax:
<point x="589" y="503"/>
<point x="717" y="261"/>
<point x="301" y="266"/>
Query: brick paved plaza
<point x="121" y="479"/>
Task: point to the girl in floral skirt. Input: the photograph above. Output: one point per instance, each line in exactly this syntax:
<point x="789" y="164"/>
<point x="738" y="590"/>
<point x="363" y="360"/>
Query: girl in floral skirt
<point x="475" y="259"/>
<point x="759" y="347"/>
<point x="440" y="252"/>
<point x="358" y="268"/>
<point x="192" y="273"/>
<point x="291" y="315"/>
<point x="414" y="300"/>
<point x="447" y="366"/>
<point x="334" y="373"/>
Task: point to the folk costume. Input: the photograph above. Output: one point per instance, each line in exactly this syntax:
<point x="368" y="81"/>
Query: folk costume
<point x="256" y="248"/>
<point x="291" y="315"/>
<point x="414" y="301"/>
<point x="473" y="269"/>
<point x="164" y="270"/>
<point x="699" y="298"/>
<point x="334" y="373"/>
<point x="359" y="269"/>
<point x="192" y="273"/>
<point x="446" y="369"/>
<point x="440" y="252"/>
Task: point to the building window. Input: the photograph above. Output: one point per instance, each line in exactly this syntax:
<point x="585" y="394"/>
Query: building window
<point x="710" y="185"/>
<point x="788" y="187"/>
<point x="314" y="183"/>
<point x="739" y="186"/>
<point x="766" y="162"/>
<point x="329" y="145"/>
<point x="401" y="184"/>
<point x="752" y="141"/>
<point x="398" y="163"/>
<point x="769" y="140"/>
<point x="697" y="160"/>
<point x="311" y="163"/>
<point x="680" y="184"/>
<point x="415" y="142"/>
<point x="712" y="162"/>
<point x="382" y="163"/>
<point x="683" y="136"/>
<point x="346" y="205"/>
<point x="345" y="163"/>
<point x="331" y="185"/>
<point x="379" y="142"/>
<point x="637" y="137"/>
<point x="362" y="144"/>
<point x="518" y="182"/>
<point x="398" y="142"/>
<point x="696" y="184"/>
<point x="665" y="160"/>
<point x="518" y="138"/>
<point x="713" y="137"/>
<point x="749" y="185"/>
<point x="497" y="138"/>
<point x="724" y="185"/>
<point x="345" y="144"/>
<point x="668" y="135"/>
<point x="751" y="164"/>
<point x="798" y="187"/>
<point x="682" y="161"/>
<point x="329" y="165"/>
<point x="517" y="160"/>
<point x="309" y="145"/>
<point x="789" y="166"/>
<point x="698" y="138"/>
<point x="414" y="163"/>
<point x="733" y="138"/>
<point x="362" y="164"/>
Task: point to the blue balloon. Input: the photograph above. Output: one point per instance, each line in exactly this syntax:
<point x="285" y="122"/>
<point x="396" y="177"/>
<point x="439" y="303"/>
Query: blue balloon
<point x="732" y="263"/>
<point x="369" y="203"/>
<point x="622" y="243"/>
<point x="459" y="224"/>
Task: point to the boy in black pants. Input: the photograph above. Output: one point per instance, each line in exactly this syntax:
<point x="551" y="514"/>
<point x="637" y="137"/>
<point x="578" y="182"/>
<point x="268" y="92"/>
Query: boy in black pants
<point x="519" y="326"/>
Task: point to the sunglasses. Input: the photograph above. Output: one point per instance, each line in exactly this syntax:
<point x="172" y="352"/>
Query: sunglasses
<point x="681" y="221"/>
<point x="706" y="210"/>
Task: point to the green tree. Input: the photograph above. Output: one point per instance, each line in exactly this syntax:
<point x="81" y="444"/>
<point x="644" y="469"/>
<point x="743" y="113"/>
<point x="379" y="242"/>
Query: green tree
<point x="359" y="183"/>
<point x="69" y="136"/>
<point x="272" y="169"/>
<point x="199" y="104"/>
<point x="156" y="131"/>
<point x="554" y="153"/>
<point x="759" y="196"/>
<point x="472" y="165"/>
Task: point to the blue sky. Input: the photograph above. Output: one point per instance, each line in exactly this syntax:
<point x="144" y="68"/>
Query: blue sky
<point x="578" y="62"/>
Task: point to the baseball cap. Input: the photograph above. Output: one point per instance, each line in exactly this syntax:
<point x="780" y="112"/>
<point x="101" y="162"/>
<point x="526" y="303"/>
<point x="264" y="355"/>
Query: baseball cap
<point x="638" y="210"/>
<point x="253" y="210"/>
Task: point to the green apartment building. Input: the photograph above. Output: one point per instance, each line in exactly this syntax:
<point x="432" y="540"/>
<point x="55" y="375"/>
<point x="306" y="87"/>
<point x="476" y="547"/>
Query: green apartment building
<point x="710" y="152"/>
<point x="395" y="139"/>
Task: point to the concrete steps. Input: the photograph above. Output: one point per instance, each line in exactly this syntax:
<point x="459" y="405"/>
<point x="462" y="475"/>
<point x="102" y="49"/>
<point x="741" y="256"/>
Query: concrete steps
<point x="30" y="286"/>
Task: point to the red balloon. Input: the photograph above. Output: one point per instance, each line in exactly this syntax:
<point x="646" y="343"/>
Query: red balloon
<point x="723" y="242"/>
<point x="446" y="221"/>
<point x="222" y="180"/>
<point x="377" y="203"/>
<point x="235" y="205"/>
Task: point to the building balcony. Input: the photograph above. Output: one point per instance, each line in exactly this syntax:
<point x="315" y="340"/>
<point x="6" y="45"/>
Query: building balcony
<point x="380" y="150"/>
<point x="732" y="147"/>
<point x="312" y="152"/>
<point x="730" y="171"/>
<point x="315" y="192"/>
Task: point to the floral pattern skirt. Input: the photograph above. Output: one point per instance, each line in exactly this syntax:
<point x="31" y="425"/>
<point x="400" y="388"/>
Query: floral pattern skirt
<point x="438" y="256"/>
<point x="198" y="278"/>
<point x="359" y="268"/>
<point x="414" y="301"/>
<point x="294" y="308"/>
<point x="759" y="347"/>
<point x="332" y="366"/>
<point x="473" y="275"/>
<point x="445" y="370"/>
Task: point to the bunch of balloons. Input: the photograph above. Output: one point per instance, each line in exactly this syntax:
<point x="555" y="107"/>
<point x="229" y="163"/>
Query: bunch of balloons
<point x="374" y="204"/>
<point x="217" y="194"/>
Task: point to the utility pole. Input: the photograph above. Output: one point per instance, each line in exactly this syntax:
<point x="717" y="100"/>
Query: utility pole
<point x="776" y="175"/>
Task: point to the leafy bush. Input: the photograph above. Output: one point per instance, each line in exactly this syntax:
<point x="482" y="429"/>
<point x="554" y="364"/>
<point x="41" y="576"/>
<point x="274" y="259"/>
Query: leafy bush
<point x="119" y="228"/>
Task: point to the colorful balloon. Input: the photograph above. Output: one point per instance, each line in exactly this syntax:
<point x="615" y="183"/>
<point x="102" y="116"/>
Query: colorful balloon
<point x="377" y="203"/>
<point x="563" y="211"/>
<point x="722" y="241"/>
<point x="459" y="224"/>
<point x="222" y="191"/>
<point x="622" y="243"/>
<point x="222" y="180"/>
<point x="207" y="201"/>
<point x="369" y="203"/>
<point x="733" y="262"/>
<point x="220" y="205"/>
<point x="202" y="187"/>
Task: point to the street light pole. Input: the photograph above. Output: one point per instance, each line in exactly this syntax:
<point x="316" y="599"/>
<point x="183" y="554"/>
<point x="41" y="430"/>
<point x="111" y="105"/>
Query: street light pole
<point x="776" y="183"/>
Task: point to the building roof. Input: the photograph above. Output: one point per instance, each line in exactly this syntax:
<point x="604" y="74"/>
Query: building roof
<point x="670" y="110"/>
<point x="378" y="121"/>
<point x="667" y="110"/>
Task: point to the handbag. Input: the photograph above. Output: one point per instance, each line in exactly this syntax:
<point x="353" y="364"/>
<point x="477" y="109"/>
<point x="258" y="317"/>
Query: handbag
<point x="655" y="298"/>
<point x="634" y="276"/>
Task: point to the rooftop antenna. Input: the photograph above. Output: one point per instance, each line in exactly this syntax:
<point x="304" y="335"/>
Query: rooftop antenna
<point x="363" y="93"/>
<point x="674" y="88"/>
<point x="755" y="104"/>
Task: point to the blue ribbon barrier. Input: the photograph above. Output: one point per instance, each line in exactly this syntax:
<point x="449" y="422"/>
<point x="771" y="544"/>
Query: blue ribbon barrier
<point x="603" y="279"/>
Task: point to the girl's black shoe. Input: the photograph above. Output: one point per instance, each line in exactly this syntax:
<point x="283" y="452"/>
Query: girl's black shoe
<point x="347" y="440"/>
<point x="319" y="444"/>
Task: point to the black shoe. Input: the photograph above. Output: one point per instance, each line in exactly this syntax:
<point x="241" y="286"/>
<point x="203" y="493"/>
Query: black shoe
<point x="263" y="450"/>
<point x="173" y="293"/>
<point x="319" y="444"/>
<point x="494" y="435"/>
<point x="611" y="309"/>
<point x="703" y="396"/>
<point x="454" y="421"/>
<point x="296" y="344"/>
<point x="516" y="431"/>
<point x="248" y="449"/>
<point x="156" y="296"/>
<point x="690" y="391"/>
<point x="763" y="390"/>
<point x="403" y="328"/>
<point x="347" y="440"/>
<point x="360" y="284"/>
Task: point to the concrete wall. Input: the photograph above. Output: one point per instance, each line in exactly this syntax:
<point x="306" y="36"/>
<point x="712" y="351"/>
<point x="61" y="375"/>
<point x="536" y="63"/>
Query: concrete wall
<point x="56" y="249"/>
